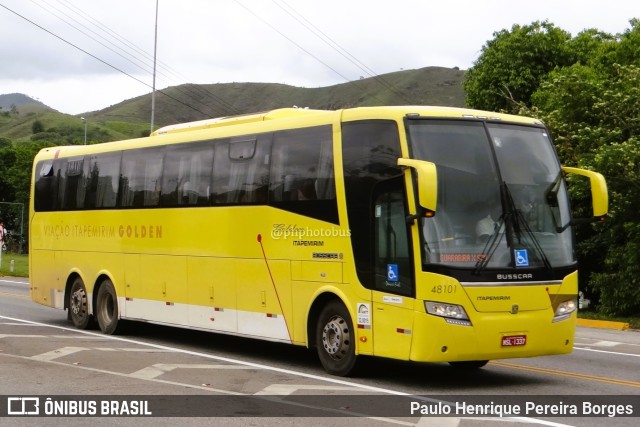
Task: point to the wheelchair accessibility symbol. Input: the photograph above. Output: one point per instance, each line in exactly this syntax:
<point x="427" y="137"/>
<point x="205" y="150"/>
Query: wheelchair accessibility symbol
<point x="522" y="258"/>
<point x="392" y="272"/>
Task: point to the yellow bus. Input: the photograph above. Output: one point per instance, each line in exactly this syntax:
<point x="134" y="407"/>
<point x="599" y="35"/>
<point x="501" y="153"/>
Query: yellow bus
<point x="409" y="232"/>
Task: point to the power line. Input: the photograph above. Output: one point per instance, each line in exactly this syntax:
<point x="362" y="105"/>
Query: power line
<point x="186" y="91"/>
<point x="190" y="90"/>
<point x="99" y="59"/>
<point x="301" y="47"/>
<point x="198" y="89"/>
<point x="335" y="46"/>
<point x="291" y="40"/>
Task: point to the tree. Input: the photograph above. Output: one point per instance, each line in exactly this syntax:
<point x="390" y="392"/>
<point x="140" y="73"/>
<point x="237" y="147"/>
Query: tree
<point x="7" y="160"/>
<point x="594" y="114"/>
<point x="512" y="65"/>
<point x="587" y="90"/>
<point x="37" y="127"/>
<point x="628" y="49"/>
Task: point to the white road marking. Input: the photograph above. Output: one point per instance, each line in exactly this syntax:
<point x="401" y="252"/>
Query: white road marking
<point x="607" y="352"/>
<point x="158" y="369"/>
<point x="14" y="281"/>
<point x="15" y="324"/>
<point x="71" y="337"/>
<point x="121" y="374"/>
<point x="605" y="343"/>
<point x="601" y="344"/>
<point x="56" y="354"/>
<point x="288" y="389"/>
<point x="65" y="351"/>
<point x="235" y="361"/>
<point x="21" y="336"/>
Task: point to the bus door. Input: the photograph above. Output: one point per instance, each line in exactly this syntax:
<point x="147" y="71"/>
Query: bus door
<point x="393" y="293"/>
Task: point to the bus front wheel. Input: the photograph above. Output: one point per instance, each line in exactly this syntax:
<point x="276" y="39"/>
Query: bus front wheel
<point x="335" y="339"/>
<point x="107" y="308"/>
<point x="78" y="305"/>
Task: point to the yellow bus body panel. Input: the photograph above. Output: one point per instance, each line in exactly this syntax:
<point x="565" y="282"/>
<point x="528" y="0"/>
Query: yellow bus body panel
<point x="226" y="269"/>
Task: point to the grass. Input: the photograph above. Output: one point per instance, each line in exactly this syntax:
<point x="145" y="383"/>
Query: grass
<point x="20" y="265"/>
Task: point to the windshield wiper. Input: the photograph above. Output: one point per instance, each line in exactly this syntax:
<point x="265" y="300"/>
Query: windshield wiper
<point x="504" y="220"/>
<point x="520" y="223"/>
<point x="516" y="225"/>
<point x="490" y="246"/>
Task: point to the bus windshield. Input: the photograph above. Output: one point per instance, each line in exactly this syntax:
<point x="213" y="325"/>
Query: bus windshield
<point x="502" y="201"/>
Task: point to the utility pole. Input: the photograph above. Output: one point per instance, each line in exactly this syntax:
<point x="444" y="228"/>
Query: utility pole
<point x="155" y="52"/>
<point x="85" y="129"/>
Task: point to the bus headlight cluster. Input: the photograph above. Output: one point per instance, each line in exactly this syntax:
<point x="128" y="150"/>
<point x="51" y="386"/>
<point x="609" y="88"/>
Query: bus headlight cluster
<point x="565" y="309"/>
<point x="452" y="313"/>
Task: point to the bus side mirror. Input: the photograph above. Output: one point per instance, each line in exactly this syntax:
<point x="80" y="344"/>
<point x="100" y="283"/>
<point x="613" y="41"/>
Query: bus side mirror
<point x="599" y="194"/>
<point x="427" y="181"/>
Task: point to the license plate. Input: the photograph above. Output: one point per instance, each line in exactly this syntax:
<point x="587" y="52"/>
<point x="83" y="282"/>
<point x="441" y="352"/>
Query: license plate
<point x="514" y="340"/>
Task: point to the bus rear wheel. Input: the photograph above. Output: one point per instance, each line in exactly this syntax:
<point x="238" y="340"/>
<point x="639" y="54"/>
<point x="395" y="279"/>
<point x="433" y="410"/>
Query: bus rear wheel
<point x="107" y="308"/>
<point x="335" y="339"/>
<point x="78" y="305"/>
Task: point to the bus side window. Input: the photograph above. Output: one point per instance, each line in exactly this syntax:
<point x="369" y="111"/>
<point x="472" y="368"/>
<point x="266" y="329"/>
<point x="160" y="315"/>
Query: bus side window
<point x="301" y="177"/>
<point x="75" y="185"/>
<point x="187" y="175"/>
<point x="302" y="165"/>
<point x="241" y="170"/>
<point x="102" y="179"/>
<point x="140" y="181"/>
<point x="45" y="185"/>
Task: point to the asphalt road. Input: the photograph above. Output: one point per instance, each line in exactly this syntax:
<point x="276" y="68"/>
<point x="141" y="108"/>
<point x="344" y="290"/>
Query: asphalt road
<point x="249" y="382"/>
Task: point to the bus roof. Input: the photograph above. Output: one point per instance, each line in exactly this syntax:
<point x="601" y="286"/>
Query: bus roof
<point x="347" y="115"/>
<point x="236" y="120"/>
<point x="177" y="132"/>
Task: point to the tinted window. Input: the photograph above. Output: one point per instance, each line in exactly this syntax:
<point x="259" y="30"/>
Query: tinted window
<point x="227" y="171"/>
<point x="102" y="176"/>
<point x="370" y="155"/>
<point x="302" y="165"/>
<point x="45" y="186"/>
<point x="74" y="185"/>
<point x="241" y="170"/>
<point x="393" y="270"/>
<point x="141" y="178"/>
<point x="186" y="179"/>
<point x="302" y="179"/>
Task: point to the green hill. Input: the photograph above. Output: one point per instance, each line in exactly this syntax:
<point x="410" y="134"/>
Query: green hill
<point x="10" y="101"/>
<point x="189" y="102"/>
<point x="431" y="85"/>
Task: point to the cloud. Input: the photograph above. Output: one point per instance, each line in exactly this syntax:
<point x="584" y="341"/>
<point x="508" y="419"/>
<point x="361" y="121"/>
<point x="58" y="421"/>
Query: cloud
<point x="253" y="40"/>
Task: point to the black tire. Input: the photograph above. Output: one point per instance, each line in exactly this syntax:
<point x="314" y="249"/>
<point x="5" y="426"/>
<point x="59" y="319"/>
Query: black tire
<point x="469" y="365"/>
<point x="336" y="339"/>
<point x="106" y="309"/>
<point x="79" y="305"/>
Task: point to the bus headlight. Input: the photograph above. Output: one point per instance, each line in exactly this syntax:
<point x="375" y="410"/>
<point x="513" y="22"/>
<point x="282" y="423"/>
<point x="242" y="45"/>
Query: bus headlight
<point x="452" y="313"/>
<point x="565" y="309"/>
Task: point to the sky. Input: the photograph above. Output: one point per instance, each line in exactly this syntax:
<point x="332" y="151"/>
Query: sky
<point x="78" y="56"/>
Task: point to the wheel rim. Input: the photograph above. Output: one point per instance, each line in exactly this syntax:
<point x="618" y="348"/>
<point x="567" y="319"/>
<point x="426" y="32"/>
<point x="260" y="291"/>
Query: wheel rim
<point x="78" y="304"/>
<point x="336" y="338"/>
